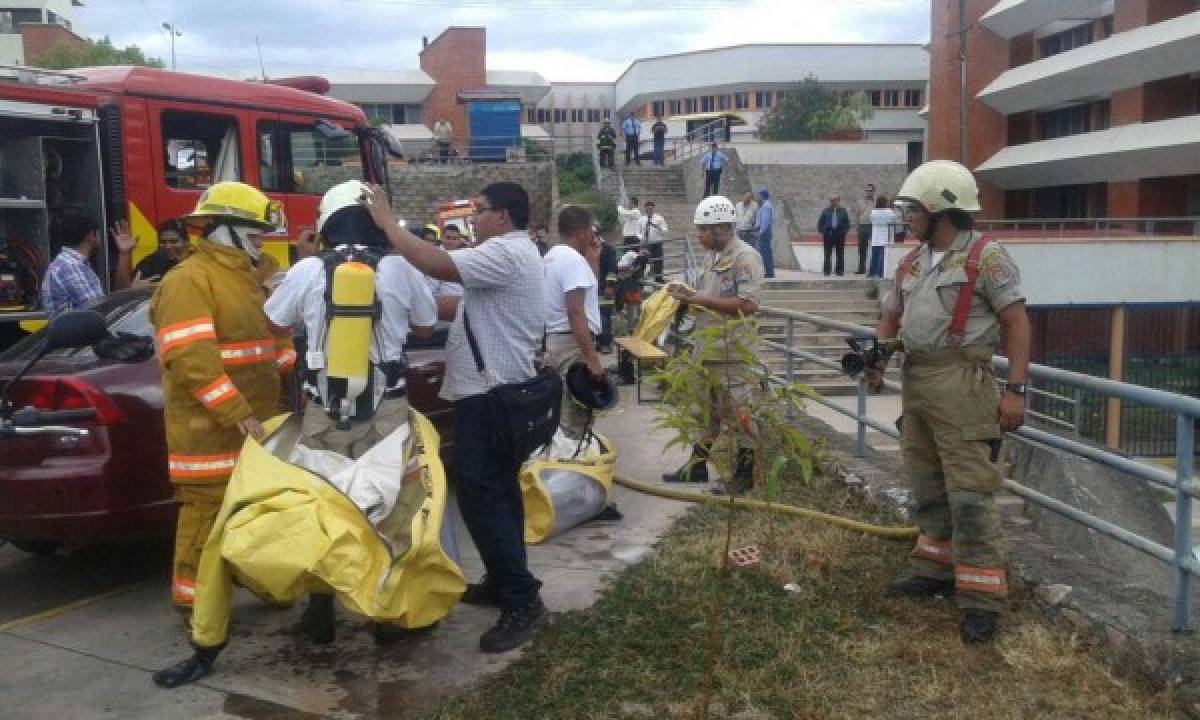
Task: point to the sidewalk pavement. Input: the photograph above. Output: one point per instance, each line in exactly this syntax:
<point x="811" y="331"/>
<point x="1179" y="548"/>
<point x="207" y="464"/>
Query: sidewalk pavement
<point x="95" y="661"/>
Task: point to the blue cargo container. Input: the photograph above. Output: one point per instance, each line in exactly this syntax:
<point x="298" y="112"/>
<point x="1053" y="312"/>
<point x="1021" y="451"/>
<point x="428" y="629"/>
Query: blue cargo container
<point x="495" y="126"/>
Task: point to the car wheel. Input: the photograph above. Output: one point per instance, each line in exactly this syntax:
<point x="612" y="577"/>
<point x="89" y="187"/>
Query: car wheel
<point x="42" y="548"/>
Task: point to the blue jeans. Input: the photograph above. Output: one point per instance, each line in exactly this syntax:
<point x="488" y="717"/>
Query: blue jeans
<point x="876" y="269"/>
<point x="660" y="144"/>
<point x="768" y="255"/>
<point x="489" y="496"/>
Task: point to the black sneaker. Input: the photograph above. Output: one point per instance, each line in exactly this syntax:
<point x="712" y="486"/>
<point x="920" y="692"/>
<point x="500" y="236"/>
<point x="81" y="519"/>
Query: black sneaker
<point x="388" y="634"/>
<point x="916" y="586"/>
<point x="481" y="594"/>
<point x="979" y="626"/>
<point x="514" y="628"/>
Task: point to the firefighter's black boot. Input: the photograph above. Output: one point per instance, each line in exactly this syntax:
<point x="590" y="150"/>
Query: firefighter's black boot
<point x="694" y="470"/>
<point x="317" y="622"/>
<point x="917" y="586"/>
<point x="743" y="475"/>
<point x="190" y="670"/>
<point x="979" y="626"/>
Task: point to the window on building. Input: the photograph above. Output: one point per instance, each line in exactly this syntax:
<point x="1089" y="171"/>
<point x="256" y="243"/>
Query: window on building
<point x="20" y="16"/>
<point x="763" y="99"/>
<point x="724" y="102"/>
<point x="607" y="114"/>
<point x="530" y="116"/>
<point x="1064" y="122"/>
<point x="295" y="158"/>
<point x="689" y="105"/>
<point x="543" y="115"/>
<point x="741" y="100"/>
<point x="1066" y="40"/>
<point x="577" y="115"/>
<point x="196" y="148"/>
<point x="1102" y="115"/>
<point x="912" y="98"/>
<point x="708" y="103"/>
<point x="673" y="107"/>
<point x="891" y="98"/>
<point x="658" y="108"/>
<point x="593" y="115"/>
<point x="560" y="115"/>
<point x="875" y="97"/>
<point x="1065" y="201"/>
<point x="1106" y="26"/>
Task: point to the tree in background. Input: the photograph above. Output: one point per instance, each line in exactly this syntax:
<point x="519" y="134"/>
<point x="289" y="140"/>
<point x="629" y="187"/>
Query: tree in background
<point x="93" y="53"/>
<point x="810" y="111"/>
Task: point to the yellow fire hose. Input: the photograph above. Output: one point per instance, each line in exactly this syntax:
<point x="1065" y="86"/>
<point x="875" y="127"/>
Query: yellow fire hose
<point x="891" y="533"/>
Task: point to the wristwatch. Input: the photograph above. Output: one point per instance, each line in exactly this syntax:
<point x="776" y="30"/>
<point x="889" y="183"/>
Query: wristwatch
<point x="1016" y="388"/>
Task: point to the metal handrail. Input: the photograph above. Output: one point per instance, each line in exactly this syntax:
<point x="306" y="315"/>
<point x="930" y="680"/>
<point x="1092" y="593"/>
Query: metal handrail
<point x="683" y="148"/>
<point x="1186" y="409"/>
<point x="1105" y="227"/>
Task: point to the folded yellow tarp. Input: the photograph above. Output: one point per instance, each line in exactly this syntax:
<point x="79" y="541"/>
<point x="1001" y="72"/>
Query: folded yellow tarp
<point x="283" y="530"/>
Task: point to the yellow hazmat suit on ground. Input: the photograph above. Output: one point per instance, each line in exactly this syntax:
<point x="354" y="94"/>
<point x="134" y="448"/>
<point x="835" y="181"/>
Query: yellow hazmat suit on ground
<point x="284" y="530"/>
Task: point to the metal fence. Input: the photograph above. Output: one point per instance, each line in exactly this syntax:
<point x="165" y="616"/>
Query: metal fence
<point x="1089" y="228"/>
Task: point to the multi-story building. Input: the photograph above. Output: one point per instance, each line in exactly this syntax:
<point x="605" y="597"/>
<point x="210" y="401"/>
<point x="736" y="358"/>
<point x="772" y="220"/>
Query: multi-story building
<point x="744" y="82"/>
<point x="1073" y="108"/>
<point x="30" y="28"/>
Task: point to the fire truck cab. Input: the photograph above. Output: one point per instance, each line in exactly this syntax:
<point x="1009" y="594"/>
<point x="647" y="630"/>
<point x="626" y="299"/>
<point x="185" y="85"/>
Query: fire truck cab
<point x="141" y="144"/>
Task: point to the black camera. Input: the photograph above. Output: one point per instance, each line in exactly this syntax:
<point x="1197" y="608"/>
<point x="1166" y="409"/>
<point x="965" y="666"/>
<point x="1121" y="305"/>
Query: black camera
<point x="862" y="357"/>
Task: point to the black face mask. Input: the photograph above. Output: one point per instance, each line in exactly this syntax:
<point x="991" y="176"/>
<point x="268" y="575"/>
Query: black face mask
<point x="353" y="226"/>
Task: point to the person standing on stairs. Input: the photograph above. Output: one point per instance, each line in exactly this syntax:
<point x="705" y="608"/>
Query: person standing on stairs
<point x="652" y="229"/>
<point x="632" y="130"/>
<point x="713" y="161"/>
<point x="862" y="215"/>
<point x="832" y="225"/>
<point x="764" y="223"/>
<point x="631" y="220"/>
<point x="659" y="131"/>
<point x="606" y="143"/>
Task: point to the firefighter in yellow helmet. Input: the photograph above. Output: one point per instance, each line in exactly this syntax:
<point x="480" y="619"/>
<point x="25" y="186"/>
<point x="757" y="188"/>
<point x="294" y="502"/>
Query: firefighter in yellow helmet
<point x="954" y="296"/>
<point x="221" y="363"/>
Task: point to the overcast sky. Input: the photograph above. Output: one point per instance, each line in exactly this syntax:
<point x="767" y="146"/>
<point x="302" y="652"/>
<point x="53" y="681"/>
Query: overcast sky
<point x="564" y="40"/>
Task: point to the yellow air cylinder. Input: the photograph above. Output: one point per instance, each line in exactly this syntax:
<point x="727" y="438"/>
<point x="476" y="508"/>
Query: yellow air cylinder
<point x="348" y="345"/>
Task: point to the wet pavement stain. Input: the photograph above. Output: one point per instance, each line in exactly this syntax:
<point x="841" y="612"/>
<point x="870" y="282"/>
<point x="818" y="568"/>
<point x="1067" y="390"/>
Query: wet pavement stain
<point x="252" y="708"/>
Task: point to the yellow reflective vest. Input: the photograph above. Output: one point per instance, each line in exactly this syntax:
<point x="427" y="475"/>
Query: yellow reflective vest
<point x="220" y="361"/>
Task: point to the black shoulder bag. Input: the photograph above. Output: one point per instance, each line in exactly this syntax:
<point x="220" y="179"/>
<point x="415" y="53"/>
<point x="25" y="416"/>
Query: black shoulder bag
<point x="526" y="413"/>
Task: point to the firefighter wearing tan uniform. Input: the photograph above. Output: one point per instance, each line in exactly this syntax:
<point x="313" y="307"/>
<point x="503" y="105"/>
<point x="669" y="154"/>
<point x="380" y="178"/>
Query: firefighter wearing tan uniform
<point x="952" y="297"/>
<point x="729" y="287"/>
<point x="221" y="362"/>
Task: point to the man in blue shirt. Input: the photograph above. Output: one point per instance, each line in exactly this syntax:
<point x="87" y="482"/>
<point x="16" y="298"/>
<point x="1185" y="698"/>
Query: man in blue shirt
<point x="70" y="282"/>
<point x="713" y="161"/>
<point x="763" y="223"/>
<point x="632" y="129"/>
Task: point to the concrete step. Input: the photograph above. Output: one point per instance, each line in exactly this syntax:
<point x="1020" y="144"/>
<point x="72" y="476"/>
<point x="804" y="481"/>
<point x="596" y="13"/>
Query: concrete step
<point x="856" y="282"/>
<point x="778" y="294"/>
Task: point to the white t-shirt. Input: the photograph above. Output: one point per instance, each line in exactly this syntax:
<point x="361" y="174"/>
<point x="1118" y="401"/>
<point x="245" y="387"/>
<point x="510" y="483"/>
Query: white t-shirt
<point x="403" y="296"/>
<point x="443" y="288"/>
<point x="504" y="292"/>
<point x="882" y="220"/>
<point x="567" y="270"/>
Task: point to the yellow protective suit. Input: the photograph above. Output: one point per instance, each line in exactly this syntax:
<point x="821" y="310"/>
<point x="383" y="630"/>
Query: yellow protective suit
<point x="283" y="530"/>
<point x="559" y="494"/>
<point x="657" y="312"/>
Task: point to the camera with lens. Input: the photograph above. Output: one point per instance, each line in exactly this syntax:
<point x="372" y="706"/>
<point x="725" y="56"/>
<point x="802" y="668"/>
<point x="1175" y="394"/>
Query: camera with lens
<point x="863" y="356"/>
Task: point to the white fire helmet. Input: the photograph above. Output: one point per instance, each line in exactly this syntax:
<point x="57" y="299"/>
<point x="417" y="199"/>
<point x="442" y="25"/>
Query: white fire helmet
<point x="715" y="210"/>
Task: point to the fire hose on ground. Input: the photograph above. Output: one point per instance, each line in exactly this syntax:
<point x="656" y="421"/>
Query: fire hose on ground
<point x="882" y="531"/>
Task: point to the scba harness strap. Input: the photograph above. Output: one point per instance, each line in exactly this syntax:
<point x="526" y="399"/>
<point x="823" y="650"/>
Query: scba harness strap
<point x="962" y="305"/>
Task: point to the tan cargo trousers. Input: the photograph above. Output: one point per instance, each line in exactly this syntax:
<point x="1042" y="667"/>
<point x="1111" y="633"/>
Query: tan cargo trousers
<point x="950" y="403"/>
<point x="561" y="353"/>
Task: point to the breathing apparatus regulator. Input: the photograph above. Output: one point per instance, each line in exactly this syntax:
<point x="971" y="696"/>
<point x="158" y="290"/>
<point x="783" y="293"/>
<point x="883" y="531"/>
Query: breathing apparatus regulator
<point x="354" y="246"/>
<point x="234" y="214"/>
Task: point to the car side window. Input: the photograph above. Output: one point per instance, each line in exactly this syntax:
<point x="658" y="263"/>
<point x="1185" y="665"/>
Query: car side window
<point x="199" y="149"/>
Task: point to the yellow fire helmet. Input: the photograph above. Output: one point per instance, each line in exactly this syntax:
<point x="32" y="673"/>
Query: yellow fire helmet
<point x="237" y="203"/>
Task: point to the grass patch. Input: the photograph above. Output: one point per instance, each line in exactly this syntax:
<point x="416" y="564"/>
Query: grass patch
<point x="836" y="649"/>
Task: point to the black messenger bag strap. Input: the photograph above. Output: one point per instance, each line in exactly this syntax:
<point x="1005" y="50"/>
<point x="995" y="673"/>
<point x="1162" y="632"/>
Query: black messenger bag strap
<point x="471" y="341"/>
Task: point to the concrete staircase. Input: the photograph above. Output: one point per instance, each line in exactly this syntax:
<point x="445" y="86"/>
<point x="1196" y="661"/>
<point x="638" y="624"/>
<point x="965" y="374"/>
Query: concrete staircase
<point x="844" y="299"/>
<point x="663" y="185"/>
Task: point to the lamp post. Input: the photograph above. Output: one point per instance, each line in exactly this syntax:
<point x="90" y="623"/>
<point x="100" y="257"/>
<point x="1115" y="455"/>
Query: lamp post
<point x="171" y="31"/>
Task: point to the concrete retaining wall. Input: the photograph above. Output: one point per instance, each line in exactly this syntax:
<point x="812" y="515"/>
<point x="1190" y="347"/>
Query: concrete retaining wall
<point x="417" y="189"/>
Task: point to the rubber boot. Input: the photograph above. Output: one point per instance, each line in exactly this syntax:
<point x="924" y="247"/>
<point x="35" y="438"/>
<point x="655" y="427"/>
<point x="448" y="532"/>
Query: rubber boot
<point x="317" y="622"/>
<point x="917" y="586"/>
<point x="743" y="475"/>
<point x="694" y="470"/>
<point x="190" y="670"/>
<point x="979" y="626"/>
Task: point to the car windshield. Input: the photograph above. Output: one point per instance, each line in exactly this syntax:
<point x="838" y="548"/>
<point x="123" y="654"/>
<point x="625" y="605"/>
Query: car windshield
<point x="125" y="311"/>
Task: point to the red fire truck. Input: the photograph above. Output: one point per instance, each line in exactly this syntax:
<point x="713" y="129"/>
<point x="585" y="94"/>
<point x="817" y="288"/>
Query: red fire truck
<point x="140" y="145"/>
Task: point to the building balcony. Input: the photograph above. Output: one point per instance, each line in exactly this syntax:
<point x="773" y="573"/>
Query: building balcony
<point x="1127" y="59"/>
<point x="1166" y="148"/>
<point x="1010" y="18"/>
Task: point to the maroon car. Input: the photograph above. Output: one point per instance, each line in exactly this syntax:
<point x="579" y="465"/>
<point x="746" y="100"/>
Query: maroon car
<point x="110" y="485"/>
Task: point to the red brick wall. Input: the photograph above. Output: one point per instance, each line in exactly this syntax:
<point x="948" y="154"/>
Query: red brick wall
<point x="39" y="39"/>
<point x="456" y="60"/>
<point x="1020" y="50"/>
<point x="988" y="55"/>
<point x="1130" y="14"/>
